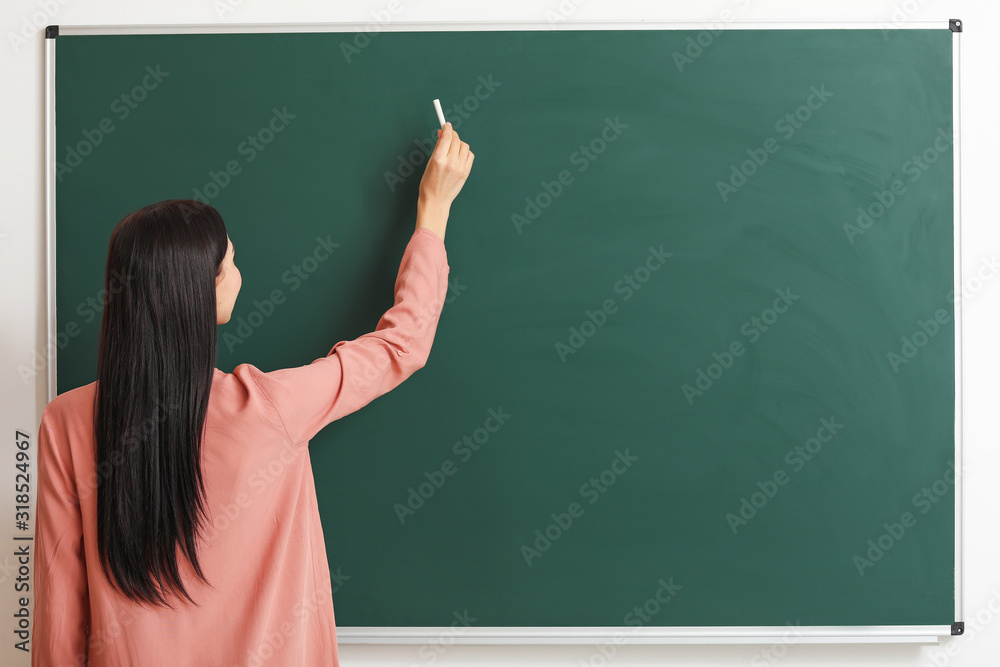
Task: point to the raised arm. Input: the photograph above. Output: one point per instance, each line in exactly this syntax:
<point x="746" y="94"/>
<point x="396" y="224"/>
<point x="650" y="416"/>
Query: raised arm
<point x="355" y="372"/>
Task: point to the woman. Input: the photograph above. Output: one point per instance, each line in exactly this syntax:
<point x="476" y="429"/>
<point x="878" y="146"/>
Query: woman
<point x="177" y="515"/>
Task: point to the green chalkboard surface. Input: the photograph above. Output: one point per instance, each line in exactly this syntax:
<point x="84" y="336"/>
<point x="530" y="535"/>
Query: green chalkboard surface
<point x="697" y="363"/>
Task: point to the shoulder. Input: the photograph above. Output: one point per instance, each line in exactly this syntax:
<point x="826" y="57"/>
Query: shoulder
<point x="240" y="396"/>
<point x="67" y="426"/>
<point x="245" y="378"/>
<point x="244" y="387"/>
<point x="70" y="406"/>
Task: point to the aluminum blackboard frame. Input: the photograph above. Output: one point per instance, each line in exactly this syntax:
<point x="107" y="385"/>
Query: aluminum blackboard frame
<point x="558" y="634"/>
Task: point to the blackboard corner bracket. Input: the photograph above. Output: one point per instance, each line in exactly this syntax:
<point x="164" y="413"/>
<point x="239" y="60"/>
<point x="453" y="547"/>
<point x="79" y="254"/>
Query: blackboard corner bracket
<point x="958" y="628"/>
<point x="51" y="31"/>
<point x="955" y="25"/>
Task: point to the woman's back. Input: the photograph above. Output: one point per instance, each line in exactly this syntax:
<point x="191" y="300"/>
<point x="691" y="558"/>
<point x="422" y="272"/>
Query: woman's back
<point x="269" y="596"/>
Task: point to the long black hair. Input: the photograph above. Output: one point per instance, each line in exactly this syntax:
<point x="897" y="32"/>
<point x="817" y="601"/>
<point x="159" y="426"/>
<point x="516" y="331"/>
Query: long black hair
<point x="154" y="374"/>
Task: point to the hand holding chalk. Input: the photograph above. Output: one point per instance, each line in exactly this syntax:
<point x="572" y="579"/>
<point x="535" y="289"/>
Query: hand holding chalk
<point x="447" y="169"/>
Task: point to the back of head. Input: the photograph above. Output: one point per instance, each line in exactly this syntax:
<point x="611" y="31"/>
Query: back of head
<point x="154" y="374"/>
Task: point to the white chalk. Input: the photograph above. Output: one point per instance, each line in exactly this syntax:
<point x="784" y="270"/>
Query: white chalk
<point x="437" y="107"/>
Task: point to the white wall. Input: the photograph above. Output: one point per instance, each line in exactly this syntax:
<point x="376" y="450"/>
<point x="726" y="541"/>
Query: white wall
<point x="22" y="274"/>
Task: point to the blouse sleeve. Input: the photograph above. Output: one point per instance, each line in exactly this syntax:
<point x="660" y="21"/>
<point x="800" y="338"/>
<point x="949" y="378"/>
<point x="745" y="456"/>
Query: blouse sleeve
<point x="355" y="372"/>
<point x="62" y="602"/>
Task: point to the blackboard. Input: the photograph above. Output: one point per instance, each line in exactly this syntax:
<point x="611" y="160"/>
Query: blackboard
<point x="699" y="353"/>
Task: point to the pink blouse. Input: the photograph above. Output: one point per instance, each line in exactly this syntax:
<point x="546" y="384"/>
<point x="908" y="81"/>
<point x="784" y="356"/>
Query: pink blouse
<point x="269" y="601"/>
